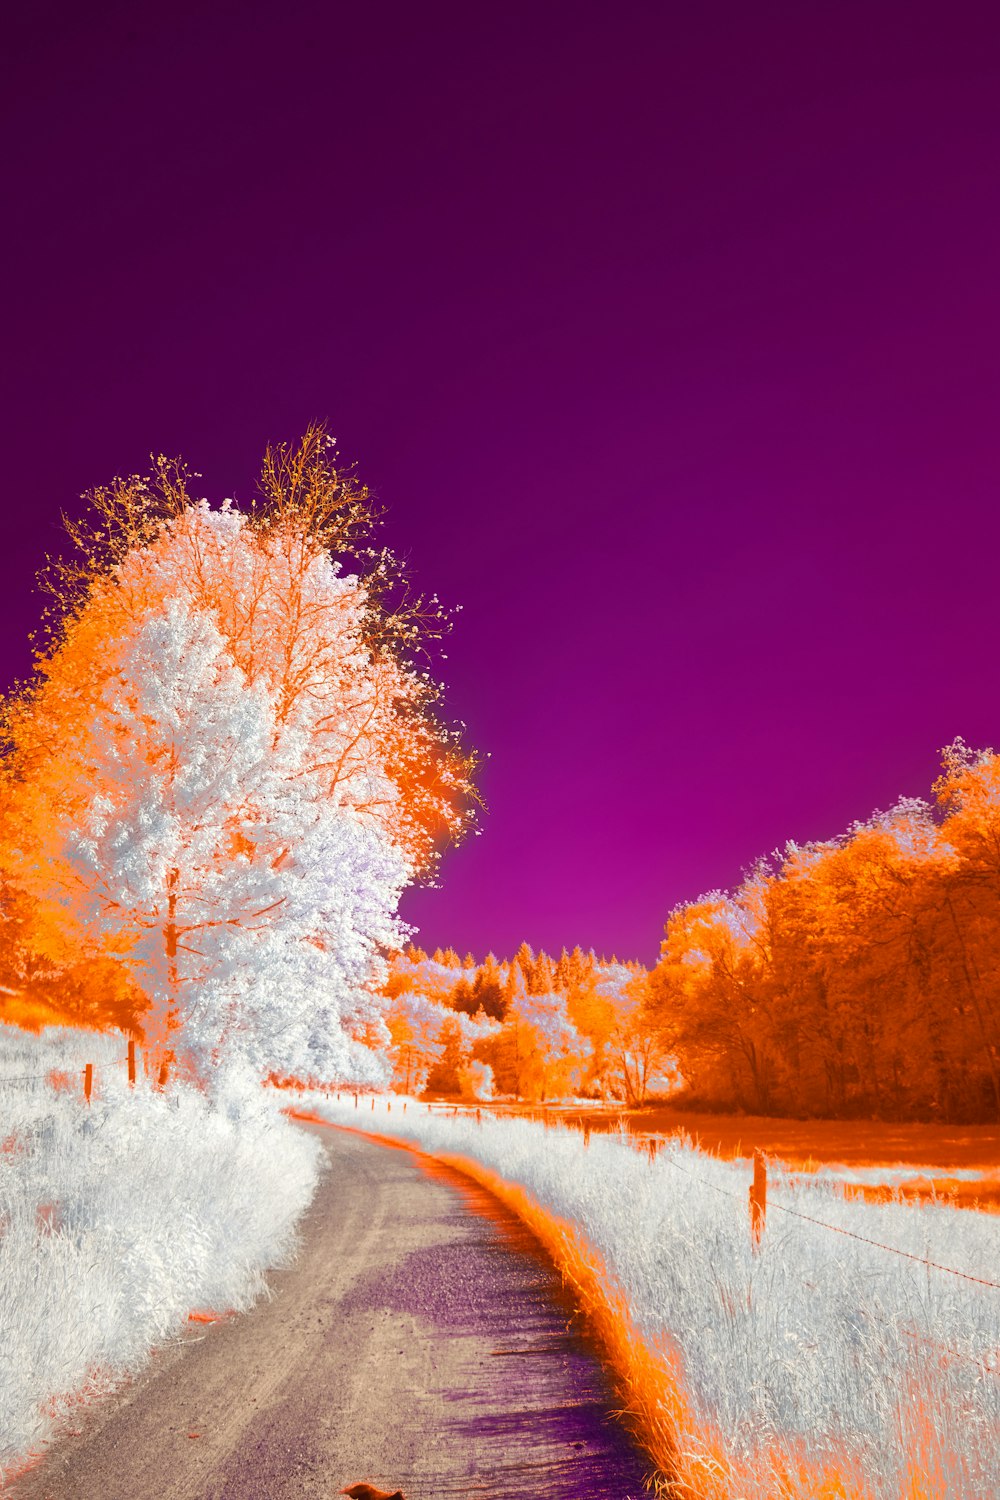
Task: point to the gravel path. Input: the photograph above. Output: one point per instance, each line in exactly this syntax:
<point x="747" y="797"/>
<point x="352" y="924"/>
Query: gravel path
<point x="414" y="1343"/>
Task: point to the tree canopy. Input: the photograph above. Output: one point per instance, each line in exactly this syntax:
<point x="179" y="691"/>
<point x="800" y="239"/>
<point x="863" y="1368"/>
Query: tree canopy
<point x="857" y="975"/>
<point x="227" y="765"/>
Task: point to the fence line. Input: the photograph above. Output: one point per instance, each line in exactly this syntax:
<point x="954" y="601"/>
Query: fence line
<point x="835" y="1229"/>
<point x="821" y="1223"/>
<point x="944" y="1348"/>
<point x="757" y="1226"/>
<point x="757" y="1222"/>
<point x="87" y="1073"/>
<point x="893" y="1249"/>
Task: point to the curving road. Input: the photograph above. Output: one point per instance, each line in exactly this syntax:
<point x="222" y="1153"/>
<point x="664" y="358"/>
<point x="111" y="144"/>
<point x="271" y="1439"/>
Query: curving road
<point x="414" y="1343"/>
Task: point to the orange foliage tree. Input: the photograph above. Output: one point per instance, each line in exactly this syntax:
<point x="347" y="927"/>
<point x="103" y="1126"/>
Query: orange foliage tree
<point x="859" y="975"/>
<point x="544" y="1028"/>
<point x="307" y="619"/>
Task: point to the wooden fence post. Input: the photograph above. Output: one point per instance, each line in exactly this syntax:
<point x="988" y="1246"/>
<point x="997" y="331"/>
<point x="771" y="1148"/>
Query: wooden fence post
<point x="758" y="1199"/>
<point x="88" y="1081"/>
<point x="131" y="1062"/>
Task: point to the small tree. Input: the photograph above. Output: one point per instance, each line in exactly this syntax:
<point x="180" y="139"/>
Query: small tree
<point x="444" y="1075"/>
<point x="475" y="1081"/>
<point x="636" y="1046"/>
<point x="537" y="1053"/>
<point x="414" y="1024"/>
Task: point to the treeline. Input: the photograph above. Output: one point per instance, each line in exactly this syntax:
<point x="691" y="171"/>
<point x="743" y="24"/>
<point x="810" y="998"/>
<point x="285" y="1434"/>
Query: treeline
<point x="534" y="1027"/>
<point x="855" y="976"/>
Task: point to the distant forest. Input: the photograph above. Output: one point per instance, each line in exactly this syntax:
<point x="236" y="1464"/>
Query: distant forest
<point x="855" y="977"/>
<point x="859" y="976"/>
<point x="531" y="1027"/>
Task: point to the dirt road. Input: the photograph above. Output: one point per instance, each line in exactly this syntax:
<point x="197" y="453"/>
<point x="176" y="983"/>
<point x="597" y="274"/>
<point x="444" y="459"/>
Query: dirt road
<point x="413" y="1343"/>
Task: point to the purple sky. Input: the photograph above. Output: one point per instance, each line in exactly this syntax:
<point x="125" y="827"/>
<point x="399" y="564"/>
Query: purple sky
<point x="667" y="334"/>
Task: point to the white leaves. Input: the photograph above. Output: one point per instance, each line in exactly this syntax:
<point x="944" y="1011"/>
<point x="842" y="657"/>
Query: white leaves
<point x="252" y="905"/>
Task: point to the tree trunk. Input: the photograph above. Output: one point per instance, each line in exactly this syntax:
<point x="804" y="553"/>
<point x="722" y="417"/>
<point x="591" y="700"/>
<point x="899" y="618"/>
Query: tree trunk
<point x="988" y="1051"/>
<point x="165" y="1015"/>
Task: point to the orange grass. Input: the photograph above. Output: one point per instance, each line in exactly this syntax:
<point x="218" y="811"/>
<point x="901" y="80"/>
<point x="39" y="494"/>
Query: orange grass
<point x="690" y="1458"/>
<point x="648" y="1377"/>
<point x="29" y="1012"/>
<point x="811" y="1143"/>
<point x="807" y="1145"/>
<point x="982" y="1193"/>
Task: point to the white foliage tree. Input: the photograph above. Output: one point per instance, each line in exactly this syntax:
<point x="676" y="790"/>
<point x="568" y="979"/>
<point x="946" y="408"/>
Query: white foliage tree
<point x="226" y="767"/>
<point x="550" y="1053"/>
<point x="294" y="622"/>
<point x="250" y="904"/>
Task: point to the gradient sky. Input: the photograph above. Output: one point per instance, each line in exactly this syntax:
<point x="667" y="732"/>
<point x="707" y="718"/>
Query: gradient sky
<point x="668" y="335"/>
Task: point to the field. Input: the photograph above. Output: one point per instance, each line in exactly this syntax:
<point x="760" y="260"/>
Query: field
<point x="959" y="1164"/>
<point x="854" y="1354"/>
<point x="121" y="1218"/>
<point x="872" y="1159"/>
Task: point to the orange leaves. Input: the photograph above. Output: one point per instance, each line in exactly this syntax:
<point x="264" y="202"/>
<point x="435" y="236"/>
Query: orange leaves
<point x="855" y="975"/>
<point x="305" y="604"/>
<point x="968" y="791"/>
<point x="176" y="631"/>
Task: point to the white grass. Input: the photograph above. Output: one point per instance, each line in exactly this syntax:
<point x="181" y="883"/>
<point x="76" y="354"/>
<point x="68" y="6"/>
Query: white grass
<point x="821" y="1347"/>
<point x="119" y="1218"/>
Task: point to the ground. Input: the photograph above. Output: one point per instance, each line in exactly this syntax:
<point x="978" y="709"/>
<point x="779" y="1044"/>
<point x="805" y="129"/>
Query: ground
<point x="418" y="1341"/>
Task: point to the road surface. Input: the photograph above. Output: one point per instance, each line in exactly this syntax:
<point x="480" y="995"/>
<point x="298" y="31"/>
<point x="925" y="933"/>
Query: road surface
<point x="414" y="1343"/>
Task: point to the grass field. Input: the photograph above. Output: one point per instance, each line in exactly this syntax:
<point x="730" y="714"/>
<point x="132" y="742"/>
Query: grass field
<point x="854" y="1355"/>
<point x="120" y="1218"/>
<point x="873" y="1159"/>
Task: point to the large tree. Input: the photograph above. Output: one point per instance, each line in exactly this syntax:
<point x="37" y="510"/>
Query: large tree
<point x="227" y="764"/>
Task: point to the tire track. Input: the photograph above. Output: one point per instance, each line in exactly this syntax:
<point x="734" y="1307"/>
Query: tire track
<point x="412" y="1343"/>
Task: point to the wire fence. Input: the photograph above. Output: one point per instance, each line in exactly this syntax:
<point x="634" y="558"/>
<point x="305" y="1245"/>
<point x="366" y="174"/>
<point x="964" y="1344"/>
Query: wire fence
<point x="893" y="1249"/>
<point x="652" y="1144"/>
<point x="59" y="1077"/>
<point x="835" y="1228"/>
<point x="671" y="1160"/>
<point x="757" y="1205"/>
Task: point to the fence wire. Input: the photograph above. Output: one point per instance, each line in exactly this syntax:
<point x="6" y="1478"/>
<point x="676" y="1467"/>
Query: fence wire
<point x="836" y="1229"/>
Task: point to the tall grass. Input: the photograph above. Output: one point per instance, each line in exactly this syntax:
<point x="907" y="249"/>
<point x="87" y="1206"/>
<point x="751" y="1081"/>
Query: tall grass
<point x="822" y="1365"/>
<point x="119" y="1218"/>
